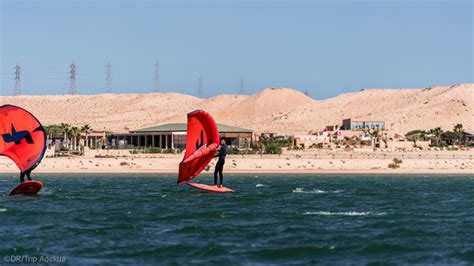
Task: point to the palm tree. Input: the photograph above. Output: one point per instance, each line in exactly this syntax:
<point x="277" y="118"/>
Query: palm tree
<point x="77" y="137"/>
<point x="74" y="132"/>
<point x="436" y="132"/>
<point x="415" y="135"/>
<point x="459" y="130"/>
<point x="66" y="129"/>
<point x="86" y="129"/>
<point x="374" y="134"/>
<point x="52" y="131"/>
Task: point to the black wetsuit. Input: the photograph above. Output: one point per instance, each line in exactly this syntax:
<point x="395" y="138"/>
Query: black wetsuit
<point x="22" y="177"/>
<point x="220" y="163"/>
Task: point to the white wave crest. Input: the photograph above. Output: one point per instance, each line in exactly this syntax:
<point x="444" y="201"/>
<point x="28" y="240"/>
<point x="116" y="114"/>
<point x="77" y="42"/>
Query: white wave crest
<point x="326" y="213"/>
<point x="259" y="185"/>
<point x="314" y="191"/>
<point x="3" y="209"/>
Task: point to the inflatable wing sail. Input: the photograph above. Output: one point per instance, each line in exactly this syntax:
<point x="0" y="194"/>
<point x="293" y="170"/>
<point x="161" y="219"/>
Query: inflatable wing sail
<point x="202" y="140"/>
<point x="22" y="137"/>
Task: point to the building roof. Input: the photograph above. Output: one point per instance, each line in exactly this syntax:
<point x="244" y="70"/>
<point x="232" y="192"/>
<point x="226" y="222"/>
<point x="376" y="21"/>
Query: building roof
<point x="181" y="127"/>
<point x="365" y="119"/>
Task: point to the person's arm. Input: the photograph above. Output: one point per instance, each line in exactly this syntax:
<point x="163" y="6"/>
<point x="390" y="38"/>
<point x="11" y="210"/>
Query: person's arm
<point x="218" y="153"/>
<point x="224" y="150"/>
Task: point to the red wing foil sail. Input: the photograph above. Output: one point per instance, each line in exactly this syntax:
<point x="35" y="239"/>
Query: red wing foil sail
<point x="202" y="140"/>
<point x="22" y="137"/>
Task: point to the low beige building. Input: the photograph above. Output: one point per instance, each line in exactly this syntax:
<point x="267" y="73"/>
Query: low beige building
<point x="173" y="136"/>
<point x="363" y="123"/>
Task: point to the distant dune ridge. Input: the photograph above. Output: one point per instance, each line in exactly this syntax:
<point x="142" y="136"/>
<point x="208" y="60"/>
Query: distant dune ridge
<point x="281" y="110"/>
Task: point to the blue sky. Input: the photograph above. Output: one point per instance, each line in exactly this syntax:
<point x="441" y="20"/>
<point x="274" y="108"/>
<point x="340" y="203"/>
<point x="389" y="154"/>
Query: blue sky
<point x="324" y="47"/>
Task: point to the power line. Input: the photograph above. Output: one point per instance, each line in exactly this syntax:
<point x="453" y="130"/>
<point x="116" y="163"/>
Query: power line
<point x="45" y="72"/>
<point x="17" y="90"/>
<point x="200" y="86"/>
<point x="27" y="66"/>
<point x="156" y="79"/>
<point x="108" y="77"/>
<point x="47" y="78"/>
<point x="242" y="85"/>
<point x="72" y="85"/>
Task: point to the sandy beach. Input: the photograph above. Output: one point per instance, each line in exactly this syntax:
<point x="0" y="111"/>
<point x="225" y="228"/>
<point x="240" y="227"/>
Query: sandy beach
<point x="429" y="162"/>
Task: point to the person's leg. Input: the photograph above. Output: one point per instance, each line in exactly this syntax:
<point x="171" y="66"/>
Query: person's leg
<point x="29" y="176"/>
<point x="220" y="175"/>
<point x="215" y="174"/>
<point x="22" y="177"/>
<point x="221" y="168"/>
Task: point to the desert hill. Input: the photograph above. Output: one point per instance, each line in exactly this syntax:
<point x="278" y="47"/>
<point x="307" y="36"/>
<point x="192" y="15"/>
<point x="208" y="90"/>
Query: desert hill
<point x="280" y="110"/>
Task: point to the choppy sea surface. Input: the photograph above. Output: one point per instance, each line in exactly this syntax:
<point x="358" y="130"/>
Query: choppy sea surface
<point x="270" y="219"/>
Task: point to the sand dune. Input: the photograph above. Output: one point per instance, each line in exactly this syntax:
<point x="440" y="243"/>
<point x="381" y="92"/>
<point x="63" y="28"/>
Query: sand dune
<point x="280" y="110"/>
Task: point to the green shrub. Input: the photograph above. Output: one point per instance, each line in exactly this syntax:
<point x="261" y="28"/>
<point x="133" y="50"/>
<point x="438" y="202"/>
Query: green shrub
<point x="273" y="149"/>
<point x="247" y="151"/>
<point x="397" y="161"/>
<point x="233" y="150"/>
<point x="257" y="146"/>
<point x="317" y="145"/>
<point x="172" y="151"/>
<point x="393" y="166"/>
<point x="149" y="150"/>
<point x="104" y="156"/>
<point x="154" y="150"/>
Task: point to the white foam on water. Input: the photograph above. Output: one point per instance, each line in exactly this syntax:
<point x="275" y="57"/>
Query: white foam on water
<point x="46" y="192"/>
<point x="326" y="213"/>
<point x="314" y="191"/>
<point x="3" y="209"/>
<point x="259" y="185"/>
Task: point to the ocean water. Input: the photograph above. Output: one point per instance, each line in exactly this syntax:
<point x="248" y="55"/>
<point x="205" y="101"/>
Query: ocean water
<point x="271" y="219"/>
